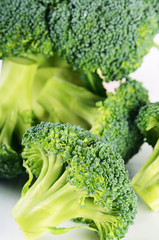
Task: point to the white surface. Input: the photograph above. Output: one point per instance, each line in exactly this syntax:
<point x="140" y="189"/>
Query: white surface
<point x="146" y="224"/>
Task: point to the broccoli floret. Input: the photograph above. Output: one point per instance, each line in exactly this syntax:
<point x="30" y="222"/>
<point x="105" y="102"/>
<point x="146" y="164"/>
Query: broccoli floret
<point x="112" y="119"/>
<point x="110" y="36"/>
<point x="23" y="28"/>
<point x="148" y="122"/>
<point x="116" y="120"/>
<point x="77" y="176"/>
<point x="146" y="181"/>
<point x="19" y="108"/>
<point x="15" y="110"/>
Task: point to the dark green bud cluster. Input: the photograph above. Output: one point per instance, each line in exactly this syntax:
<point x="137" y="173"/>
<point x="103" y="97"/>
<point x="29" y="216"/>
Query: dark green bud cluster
<point x="10" y="163"/>
<point x="23" y="28"/>
<point x="152" y="7"/>
<point x="148" y="122"/>
<point x="116" y="121"/>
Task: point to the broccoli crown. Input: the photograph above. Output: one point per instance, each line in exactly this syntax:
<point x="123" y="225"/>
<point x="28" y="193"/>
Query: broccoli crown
<point x="148" y="122"/>
<point x="47" y="134"/>
<point x="15" y="110"/>
<point x="116" y="120"/>
<point x="23" y="28"/>
<point x="80" y="174"/>
<point x="112" y="36"/>
<point x="10" y="163"/>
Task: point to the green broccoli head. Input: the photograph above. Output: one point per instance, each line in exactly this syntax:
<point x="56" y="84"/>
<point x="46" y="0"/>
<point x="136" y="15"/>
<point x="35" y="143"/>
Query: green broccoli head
<point x="112" y="36"/>
<point x="146" y="181"/>
<point x="78" y="176"/>
<point x="23" y="28"/>
<point x="116" y="120"/>
<point x="103" y="36"/>
<point x="15" y="110"/>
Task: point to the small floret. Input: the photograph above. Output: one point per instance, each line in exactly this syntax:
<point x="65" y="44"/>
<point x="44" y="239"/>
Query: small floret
<point x="116" y="120"/>
<point x="77" y="176"/>
<point x="10" y="163"/>
<point x="146" y="181"/>
<point x="148" y="122"/>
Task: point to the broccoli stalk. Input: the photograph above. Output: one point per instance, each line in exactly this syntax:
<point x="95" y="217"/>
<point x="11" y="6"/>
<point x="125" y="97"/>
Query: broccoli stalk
<point x="15" y="110"/>
<point x="146" y="181"/>
<point x="65" y="102"/>
<point x="16" y="100"/>
<point x="76" y="176"/>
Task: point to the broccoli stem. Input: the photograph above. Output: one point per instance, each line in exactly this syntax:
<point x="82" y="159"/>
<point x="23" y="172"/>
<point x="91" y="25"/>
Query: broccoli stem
<point x="66" y="102"/>
<point x="50" y="211"/>
<point x="46" y="178"/>
<point x="146" y="181"/>
<point x="15" y="90"/>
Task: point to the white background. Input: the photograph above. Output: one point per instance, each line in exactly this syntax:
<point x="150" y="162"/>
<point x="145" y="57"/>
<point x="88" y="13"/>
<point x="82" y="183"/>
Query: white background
<point x="146" y="224"/>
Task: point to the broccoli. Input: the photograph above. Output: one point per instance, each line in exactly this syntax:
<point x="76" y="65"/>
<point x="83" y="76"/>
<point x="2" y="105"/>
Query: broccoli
<point x="27" y="29"/>
<point x="146" y="181"/>
<point x="19" y="108"/>
<point x="15" y="110"/>
<point x="148" y="122"/>
<point x="63" y="101"/>
<point x="77" y="175"/>
<point x="153" y="7"/>
<point x="23" y="28"/>
<point x="10" y="162"/>
<point x="59" y="99"/>
<point x="112" y="118"/>
<point x="109" y="36"/>
<point x="116" y="121"/>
